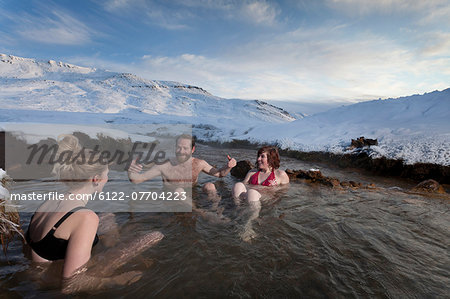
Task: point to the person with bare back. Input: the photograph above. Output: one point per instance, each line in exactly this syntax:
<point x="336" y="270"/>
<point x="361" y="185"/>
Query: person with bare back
<point x="66" y="230"/>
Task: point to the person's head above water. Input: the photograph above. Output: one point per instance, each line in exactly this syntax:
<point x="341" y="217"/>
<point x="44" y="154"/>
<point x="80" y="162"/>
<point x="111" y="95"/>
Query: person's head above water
<point x="191" y="139"/>
<point x="267" y="158"/>
<point x="77" y="165"/>
<point x="185" y="147"/>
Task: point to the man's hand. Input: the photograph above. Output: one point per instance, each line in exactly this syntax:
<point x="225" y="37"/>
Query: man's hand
<point x="135" y="167"/>
<point x="231" y="162"/>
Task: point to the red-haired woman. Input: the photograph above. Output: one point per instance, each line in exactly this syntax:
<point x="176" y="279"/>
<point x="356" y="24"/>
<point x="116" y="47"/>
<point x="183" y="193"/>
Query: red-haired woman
<point x="268" y="174"/>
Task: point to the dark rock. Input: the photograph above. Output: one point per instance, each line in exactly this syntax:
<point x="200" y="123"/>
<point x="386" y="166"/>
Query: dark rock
<point x="335" y="183"/>
<point x="429" y="186"/>
<point x="331" y="182"/>
<point x="241" y="169"/>
<point x="291" y="174"/>
<point x="345" y="184"/>
<point x="354" y="184"/>
<point x="289" y="171"/>
<point x="295" y="174"/>
<point x="362" y="142"/>
<point x="371" y="186"/>
<point x="314" y="175"/>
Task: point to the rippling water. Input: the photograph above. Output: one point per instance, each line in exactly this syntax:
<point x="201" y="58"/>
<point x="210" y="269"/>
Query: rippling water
<point x="311" y="241"/>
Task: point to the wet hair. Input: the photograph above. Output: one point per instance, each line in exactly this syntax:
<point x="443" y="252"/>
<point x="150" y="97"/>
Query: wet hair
<point x="76" y="165"/>
<point x="273" y="157"/>
<point x="187" y="136"/>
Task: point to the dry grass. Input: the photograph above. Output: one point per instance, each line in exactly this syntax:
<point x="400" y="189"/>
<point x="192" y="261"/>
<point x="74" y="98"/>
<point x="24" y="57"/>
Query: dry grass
<point x="9" y="219"/>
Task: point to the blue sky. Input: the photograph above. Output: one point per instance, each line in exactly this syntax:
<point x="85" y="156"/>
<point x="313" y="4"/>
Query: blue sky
<point x="305" y="50"/>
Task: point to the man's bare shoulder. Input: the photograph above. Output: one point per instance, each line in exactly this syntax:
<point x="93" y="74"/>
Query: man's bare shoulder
<point x="159" y="166"/>
<point x="197" y="161"/>
<point x="169" y="163"/>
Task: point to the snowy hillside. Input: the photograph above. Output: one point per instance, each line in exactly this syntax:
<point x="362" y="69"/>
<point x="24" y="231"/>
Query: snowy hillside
<point x="414" y="128"/>
<point x="56" y="86"/>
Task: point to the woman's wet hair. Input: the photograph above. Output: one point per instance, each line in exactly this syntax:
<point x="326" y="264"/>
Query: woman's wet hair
<point x="76" y="165"/>
<point x="273" y="157"/>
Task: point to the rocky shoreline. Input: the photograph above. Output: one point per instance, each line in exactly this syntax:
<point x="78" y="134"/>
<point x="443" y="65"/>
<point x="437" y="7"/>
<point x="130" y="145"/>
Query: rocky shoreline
<point x="315" y="176"/>
<point x="359" y="159"/>
<point x="378" y="166"/>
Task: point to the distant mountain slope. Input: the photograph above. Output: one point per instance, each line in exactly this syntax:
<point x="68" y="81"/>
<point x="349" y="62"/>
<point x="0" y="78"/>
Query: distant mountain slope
<point x="414" y="128"/>
<point x="56" y="86"/>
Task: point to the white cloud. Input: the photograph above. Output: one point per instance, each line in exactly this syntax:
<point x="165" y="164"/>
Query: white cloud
<point x="437" y="15"/>
<point x="386" y="6"/>
<point x="323" y="63"/>
<point x="6" y="40"/>
<point x="111" y="5"/>
<point x="253" y="11"/>
<point x="308" y="64"/>
<point x="421" y="12"/>
<point x="436" y="43"/>
<point x="55" y="27"/>
<point x="208" y="4"/>
<point x="167" y="19"/>
<point x="259" y="12"/>
<point x="154" y="12"/>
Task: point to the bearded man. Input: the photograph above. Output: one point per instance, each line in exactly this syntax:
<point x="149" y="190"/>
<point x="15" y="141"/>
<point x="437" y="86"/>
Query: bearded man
<point x="183" y="171"/>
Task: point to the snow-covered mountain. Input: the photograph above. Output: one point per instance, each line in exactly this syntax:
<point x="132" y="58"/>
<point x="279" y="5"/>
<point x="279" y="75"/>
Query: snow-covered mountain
<point x="414" y="128"/>
<point x="56" y="86"/>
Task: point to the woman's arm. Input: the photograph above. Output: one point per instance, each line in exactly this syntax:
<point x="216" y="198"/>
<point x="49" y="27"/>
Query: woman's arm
<point x="102" y="267"/>
<point x="283" y="178"/>
<point x="83" y="282"/>
<point x="80" y="242"/>
<point x="248" y="176"/>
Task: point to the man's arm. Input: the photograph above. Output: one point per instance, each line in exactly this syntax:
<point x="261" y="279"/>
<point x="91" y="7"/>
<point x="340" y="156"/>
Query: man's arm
<point x="208" y="169"/>
<point x="135" y="175"/>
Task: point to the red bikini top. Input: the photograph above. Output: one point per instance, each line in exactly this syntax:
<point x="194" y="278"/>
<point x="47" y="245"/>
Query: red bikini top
<point x="270" y="181"/>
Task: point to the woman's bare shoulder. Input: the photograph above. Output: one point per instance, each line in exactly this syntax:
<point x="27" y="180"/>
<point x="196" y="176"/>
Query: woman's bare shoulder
<point x="86" y="215"/>
<point x="280" y="172"/>
<point x="282" y="176"/>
